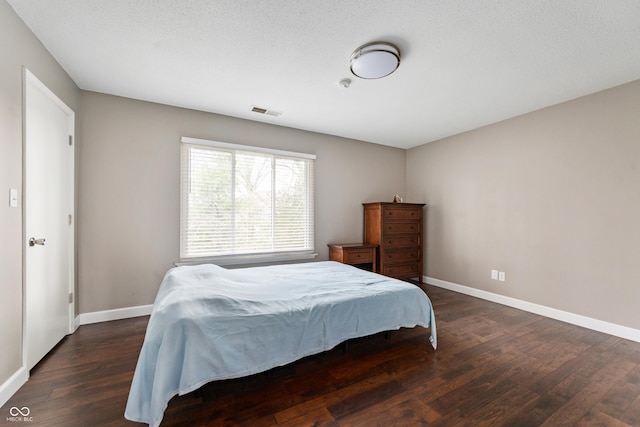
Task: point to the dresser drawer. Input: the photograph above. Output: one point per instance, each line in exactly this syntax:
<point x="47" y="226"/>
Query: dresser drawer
<point x="404" y="227"/>
<point x="399" y="241"/>
<point x="359" y="256"/>
<point x="401" y="213"/>
<point x="395" y="256"/>
<point x="401" y="271"/>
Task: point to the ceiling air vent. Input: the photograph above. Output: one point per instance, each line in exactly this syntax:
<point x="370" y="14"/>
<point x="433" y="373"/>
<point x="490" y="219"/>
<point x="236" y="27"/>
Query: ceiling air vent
<point x="265" y="111"/>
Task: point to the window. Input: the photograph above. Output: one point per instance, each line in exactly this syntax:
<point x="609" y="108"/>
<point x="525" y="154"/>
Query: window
<point x="241" y="201"/>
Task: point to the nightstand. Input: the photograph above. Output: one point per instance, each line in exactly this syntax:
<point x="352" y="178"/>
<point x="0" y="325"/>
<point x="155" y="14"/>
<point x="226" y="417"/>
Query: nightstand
<point x="356" y="254"/>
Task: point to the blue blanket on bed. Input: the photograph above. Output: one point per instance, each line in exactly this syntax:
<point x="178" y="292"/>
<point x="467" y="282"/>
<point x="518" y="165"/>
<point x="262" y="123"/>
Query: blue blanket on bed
<point x="209" y="323"/>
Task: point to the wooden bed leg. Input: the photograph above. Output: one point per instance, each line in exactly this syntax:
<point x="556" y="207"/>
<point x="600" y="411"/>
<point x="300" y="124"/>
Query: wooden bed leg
<point x="198" y="394"/>
<point x="386" y="335"/>
<point x="345" y="346"/>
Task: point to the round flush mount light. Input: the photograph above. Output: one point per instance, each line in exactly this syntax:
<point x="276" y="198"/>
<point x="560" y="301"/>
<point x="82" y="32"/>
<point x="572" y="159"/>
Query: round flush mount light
<point x="375" y="60"/>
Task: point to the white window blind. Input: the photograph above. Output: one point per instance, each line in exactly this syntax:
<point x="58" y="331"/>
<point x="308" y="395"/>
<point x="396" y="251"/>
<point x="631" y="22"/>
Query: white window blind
<point x="241" y="200"/>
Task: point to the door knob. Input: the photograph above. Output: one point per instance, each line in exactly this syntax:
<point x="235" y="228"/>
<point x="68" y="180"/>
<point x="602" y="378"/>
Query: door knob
<point x="33" y="241"/>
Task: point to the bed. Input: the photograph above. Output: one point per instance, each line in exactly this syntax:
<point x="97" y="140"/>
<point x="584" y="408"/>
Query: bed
<point x="210" y="323"/>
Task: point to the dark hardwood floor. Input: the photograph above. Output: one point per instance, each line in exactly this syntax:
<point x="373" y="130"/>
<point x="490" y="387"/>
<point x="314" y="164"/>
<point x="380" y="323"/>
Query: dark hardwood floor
<point x="494" y="366"/>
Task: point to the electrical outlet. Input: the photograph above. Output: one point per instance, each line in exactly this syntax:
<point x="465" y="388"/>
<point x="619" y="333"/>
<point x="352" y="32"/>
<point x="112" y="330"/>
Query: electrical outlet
<point x="502" y="276"/>
<point x="494" y="274"/>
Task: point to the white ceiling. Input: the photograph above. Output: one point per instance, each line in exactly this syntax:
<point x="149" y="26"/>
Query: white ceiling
<point x="465" y="63"/>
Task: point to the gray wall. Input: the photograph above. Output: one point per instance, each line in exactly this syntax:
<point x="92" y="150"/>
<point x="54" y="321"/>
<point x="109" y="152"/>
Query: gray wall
<point x="128" y="229"/>
<point x="552" y="198"/>
<point x="18" y="48"/>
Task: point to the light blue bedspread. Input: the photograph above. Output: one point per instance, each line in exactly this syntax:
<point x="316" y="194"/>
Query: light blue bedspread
<point x="209" y="323"/>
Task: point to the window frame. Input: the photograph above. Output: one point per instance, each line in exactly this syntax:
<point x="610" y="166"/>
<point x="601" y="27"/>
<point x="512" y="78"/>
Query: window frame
<point x="242" y="258"/>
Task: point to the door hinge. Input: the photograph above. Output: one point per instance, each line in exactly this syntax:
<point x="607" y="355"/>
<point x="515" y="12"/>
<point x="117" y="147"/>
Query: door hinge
<point x="70" y="219"/>
<point x="70" y="297"/>
<point x="70" y="139"/>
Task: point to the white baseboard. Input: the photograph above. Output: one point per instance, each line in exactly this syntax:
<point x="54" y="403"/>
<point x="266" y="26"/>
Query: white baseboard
<point x="116" y="314"/>
<point x="10" y="386"/>
<point x="564" y="316"/>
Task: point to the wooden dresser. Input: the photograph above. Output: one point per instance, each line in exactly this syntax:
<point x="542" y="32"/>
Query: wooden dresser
<point x="397" y="230"/>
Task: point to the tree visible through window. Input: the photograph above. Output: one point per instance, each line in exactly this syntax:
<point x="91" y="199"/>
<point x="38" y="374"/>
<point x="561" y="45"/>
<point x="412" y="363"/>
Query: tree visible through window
<point x="236" y="201"/>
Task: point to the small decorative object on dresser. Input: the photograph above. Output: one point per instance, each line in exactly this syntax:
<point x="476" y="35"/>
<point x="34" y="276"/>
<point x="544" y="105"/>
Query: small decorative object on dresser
<point x="397" y="230"/>
<point x="357" y="254"/>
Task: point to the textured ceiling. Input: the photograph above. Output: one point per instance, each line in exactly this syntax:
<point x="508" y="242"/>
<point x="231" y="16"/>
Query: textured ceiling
<point x="465" y="63"/>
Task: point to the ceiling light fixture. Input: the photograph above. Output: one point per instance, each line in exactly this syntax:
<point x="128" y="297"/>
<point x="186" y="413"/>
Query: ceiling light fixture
<point x="375" y="60"/>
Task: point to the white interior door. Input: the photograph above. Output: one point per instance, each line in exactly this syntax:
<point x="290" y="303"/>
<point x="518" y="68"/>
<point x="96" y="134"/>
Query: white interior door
<point x="48" y="229"/>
